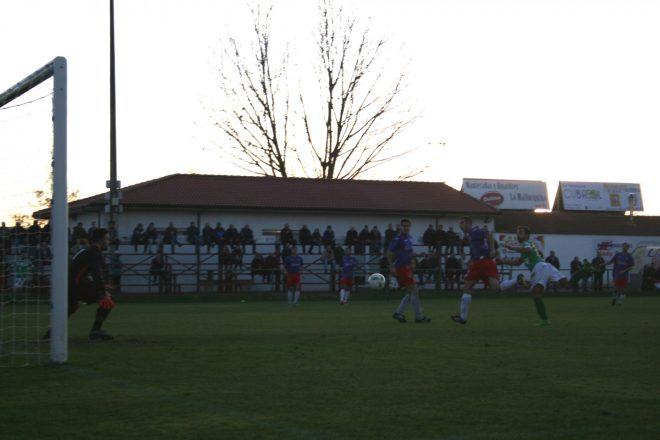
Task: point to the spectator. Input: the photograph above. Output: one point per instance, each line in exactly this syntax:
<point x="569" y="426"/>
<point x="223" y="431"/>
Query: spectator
<point x="317" y="240"/>
<point x="598" y="266"/>
<point x="137" y="236"/>
<point x="219" y="235"/>
<point x="429" y="238"/>
<point x="305" y="237"/>
<point x="552" y="259"/>
<point x="390" y="233"/>
<point x="170" y="236"/>
<point x="208" y="237"/>
<point x="455" y="243"/>
<point x="351" y="239"/>
<point x="272" y="266"/>
<point x="286" y="236"/>
<point x="157" y="270"/>
<point x="376" y="241"/>
<point x="150" y="237"/>
<point x="257" y="266"/>
<point x="34" y="234"/>
<point x="442" y="240"/>
<point x="192" y="234"/>
<point x="328" y="238"/>
<point x="91" y="229"/>
<point x="232" y="236"/>
<point x="79" y="235"/>
<point x="328" y="258"/>
<point x="246" y="236"/>
<point x="364" y="240"/>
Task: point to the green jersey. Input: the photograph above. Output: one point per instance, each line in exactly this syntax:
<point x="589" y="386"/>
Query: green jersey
<point x="532" y="258"/>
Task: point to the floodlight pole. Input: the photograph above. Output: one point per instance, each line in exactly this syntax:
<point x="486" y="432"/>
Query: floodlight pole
<point x="113" y="202"/>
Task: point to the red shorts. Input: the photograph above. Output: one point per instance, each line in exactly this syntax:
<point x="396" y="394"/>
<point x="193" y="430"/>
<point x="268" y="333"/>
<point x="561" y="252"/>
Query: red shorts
<point x="346" y="282"/>
<point x="482" y="270"/>
<point x="404" y="276"/>
<point x="620" y="283"/>
<point x="293" y="279"/>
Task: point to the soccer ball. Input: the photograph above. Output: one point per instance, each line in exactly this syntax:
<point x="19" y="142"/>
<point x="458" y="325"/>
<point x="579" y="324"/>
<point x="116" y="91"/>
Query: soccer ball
<point x="376" y="281"/>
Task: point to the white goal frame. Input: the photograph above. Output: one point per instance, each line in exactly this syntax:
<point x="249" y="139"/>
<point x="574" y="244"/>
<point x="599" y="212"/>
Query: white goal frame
<point x="59" y="216"/>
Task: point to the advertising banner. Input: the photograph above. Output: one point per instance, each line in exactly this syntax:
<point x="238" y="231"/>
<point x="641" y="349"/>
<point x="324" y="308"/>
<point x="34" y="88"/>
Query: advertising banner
<point x="595" y="196"/>
<point x="508" y="194"/>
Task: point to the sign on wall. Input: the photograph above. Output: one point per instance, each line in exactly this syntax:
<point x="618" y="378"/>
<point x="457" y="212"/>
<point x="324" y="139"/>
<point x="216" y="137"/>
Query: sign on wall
<point x="598" y="196"/>
<point x="508" y="194"/>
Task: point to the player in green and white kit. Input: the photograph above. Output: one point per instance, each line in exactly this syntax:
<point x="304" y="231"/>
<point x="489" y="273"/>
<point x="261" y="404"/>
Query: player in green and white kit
<point x="542" y="272"/>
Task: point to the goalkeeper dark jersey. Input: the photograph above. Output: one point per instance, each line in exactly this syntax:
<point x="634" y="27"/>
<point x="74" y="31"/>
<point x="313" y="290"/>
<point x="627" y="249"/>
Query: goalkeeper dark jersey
<point x="86" y="271"/>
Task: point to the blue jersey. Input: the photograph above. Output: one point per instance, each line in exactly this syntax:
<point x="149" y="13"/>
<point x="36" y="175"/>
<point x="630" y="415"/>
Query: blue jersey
<point x="293" y="263"/>
<point x="347" y="265"/>
<point x="402" y="248"/>
<point x="479" y="247"/>
<point x="622" y="261"/>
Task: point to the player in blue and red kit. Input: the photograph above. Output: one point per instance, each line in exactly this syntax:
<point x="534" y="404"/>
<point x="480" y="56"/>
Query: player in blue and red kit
<point x="482" y="266"/>
<point x="399" y="256"/>
<point x="622" y="262"/>
<point x="348" y="264"/>
<point x="293" y="266"/>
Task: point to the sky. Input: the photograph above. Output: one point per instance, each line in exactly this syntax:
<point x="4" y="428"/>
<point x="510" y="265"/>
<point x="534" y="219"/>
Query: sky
<point x="550" y="90"/>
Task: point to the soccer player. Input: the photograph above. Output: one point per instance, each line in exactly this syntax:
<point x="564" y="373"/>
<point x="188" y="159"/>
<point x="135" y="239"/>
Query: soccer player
<point x="399" y="257"/>
<point x="482" y="265"/>
<point x="543" y="273"/>
<point x="86" y="282"/>
<point x="348" y="264"/>
<point x="622" y="262"/>
<point x="292" y="266"/>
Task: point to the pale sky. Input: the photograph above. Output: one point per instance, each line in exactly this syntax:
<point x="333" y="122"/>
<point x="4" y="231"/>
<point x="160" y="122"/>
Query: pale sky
<point x="545" y="90"/>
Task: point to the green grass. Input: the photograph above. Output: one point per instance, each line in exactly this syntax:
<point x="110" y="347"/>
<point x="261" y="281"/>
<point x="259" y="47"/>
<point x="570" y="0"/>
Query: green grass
<point x="260" y="370"/>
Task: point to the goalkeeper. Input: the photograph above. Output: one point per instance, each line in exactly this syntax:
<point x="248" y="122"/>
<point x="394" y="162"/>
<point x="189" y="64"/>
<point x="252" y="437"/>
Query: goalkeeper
<point x="86" y="273"/>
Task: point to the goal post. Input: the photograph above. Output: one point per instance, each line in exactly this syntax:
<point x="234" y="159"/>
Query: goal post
<point x="58" y="224"/>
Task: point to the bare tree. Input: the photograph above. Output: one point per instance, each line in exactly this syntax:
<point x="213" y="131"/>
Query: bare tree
<point x="345" y="127"/>
<point x="362" y="109"/>
<point x="258" y="122"/>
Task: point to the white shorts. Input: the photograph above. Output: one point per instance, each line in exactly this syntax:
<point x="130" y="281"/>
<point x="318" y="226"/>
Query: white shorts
<point x="545" y="272"/>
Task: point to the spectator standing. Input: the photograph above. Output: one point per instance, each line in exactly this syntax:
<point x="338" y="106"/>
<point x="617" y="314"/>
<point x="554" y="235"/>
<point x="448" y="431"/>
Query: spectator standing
<point x="328" y="238"/>
<point x="219" y="235"/>
<point x="453" y="269"/>
<point x="286" y="236"/>
<point x="79" y="235"/>
<point x="390" y="233"/>
<point x="305" y="237"/>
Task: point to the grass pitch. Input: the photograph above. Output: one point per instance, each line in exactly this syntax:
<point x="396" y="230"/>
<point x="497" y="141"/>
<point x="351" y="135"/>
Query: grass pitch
<point x="262" y="370"/>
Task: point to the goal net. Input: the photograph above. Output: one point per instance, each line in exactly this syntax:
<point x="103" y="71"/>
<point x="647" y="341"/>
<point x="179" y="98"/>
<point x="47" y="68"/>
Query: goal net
<point x="33" y="212"/>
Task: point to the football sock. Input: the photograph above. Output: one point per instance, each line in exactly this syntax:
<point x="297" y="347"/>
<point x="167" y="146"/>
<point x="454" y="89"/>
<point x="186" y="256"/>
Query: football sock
<point x="289" y="296"/>
<point x="342" y="295"/>
<point x="297" y="297"/>
<point x="540" y="308"/>
<point x="101" y="315"/>
<point x="466" y="299"/>
<point x="403" y="304"/>
<point x="417" y="306"/>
